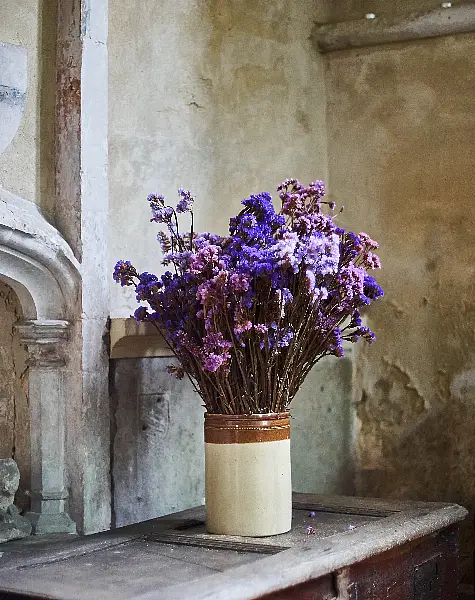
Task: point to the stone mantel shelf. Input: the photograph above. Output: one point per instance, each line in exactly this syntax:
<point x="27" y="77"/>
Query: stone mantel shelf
<point x="130" y="339"/>
<point x="363" y="32"/>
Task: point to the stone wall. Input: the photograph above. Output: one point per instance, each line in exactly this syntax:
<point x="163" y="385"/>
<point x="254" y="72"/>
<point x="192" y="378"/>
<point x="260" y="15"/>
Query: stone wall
<point x="400" y="130"/>
<point x="157" y="441"/>
<point x="26" y="166"/>
<point x="225" y="98"/>
<point x="14" y="407"/>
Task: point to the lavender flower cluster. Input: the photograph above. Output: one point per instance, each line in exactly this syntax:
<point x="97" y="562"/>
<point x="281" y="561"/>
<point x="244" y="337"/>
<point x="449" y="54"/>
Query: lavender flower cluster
<point x="249" y="314"/>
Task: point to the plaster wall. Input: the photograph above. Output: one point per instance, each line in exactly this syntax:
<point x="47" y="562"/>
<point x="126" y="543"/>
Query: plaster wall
<point x="14" y="406"/>
<point x="227" y="99"/>
<point x="26" y="166"/>
<point x="400" y="130"/>
<point x="223" y="98"/>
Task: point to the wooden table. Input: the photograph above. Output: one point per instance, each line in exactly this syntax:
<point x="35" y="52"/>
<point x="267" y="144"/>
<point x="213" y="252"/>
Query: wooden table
<point x="361" y="549"/>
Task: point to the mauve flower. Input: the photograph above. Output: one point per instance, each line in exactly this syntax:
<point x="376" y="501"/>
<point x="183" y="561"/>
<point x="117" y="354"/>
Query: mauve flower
<point x="260" y="328"/>
<point x="140" y="313"/>
<point x="185" y="204"/>
<point x="212" y="362"/>
<point x="310" y="530"/>
<point x="239" y="282"/>
<point x="124" y="273"/>
<point x="240" y="328"/>
<point x="364" y="237"/>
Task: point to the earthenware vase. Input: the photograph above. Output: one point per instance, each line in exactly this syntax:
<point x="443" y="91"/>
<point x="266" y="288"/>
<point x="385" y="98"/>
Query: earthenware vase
<point x="248" y="481"/>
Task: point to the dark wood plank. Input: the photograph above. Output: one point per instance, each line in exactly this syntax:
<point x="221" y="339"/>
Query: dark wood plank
<point x="425" y="569"/>
<point x="321" y="589"/>
<point x="215" y="543"/>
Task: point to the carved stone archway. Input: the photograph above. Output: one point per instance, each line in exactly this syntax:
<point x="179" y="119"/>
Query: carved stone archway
<point x="39" y="265"/>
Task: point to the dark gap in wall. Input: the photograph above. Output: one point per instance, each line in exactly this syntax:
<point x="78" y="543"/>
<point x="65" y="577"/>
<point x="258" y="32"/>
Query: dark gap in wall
<point x="114" y="403"/>
<point x="46" y="107"/>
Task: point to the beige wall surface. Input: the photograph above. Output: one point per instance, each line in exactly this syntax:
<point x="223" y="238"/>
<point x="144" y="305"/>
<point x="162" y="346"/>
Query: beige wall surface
<point x="26" y="166"/>
<point x="401" y="125"/>
<point x="223" y="98"/>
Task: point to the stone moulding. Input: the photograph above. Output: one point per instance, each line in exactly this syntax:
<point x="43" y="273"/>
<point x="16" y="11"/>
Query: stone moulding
<point x="380" y="30"/>
<point x="36" y="261"/>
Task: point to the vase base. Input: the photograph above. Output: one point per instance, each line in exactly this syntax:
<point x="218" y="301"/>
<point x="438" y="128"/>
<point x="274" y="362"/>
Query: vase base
<point x="245" y="533"/>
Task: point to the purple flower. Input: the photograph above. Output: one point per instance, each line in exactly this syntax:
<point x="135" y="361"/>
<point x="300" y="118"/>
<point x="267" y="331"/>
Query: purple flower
<point x="214" y="341"/>
<point x="212" y="362"/>
<point x="260" y="328"/>
<point x="236" y="309"/>
<point x="240" y="328"/>
<point x="124" y="273"/>
<point x="239" y="282"/>
<point x="162" y="214"/>
<point x="310" y="530"/>
<point x="371" y="289"/>
<point x="364" y="332"/>
<point x="185" y="203"/>
<point x="141" y="314"/>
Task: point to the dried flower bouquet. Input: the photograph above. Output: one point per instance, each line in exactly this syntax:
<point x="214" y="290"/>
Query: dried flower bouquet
<point x="249" y="314"/>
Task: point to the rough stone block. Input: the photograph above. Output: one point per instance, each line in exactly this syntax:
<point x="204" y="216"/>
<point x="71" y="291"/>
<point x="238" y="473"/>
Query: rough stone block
<point x="12" y="524"/>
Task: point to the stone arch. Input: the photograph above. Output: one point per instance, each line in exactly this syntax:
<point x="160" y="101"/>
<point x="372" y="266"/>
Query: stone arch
<point x="37" y="263"/>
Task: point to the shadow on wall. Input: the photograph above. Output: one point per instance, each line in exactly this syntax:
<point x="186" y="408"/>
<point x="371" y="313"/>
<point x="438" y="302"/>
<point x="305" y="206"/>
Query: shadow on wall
<point x="157" y="441"/>
<point x="14" y="408"/>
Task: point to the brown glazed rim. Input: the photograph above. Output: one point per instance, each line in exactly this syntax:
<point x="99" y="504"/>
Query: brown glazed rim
<point x="246" y="429"/>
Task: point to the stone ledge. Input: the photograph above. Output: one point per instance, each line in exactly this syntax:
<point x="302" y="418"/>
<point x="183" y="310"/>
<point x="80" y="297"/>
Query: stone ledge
<point x="364" y="32"/>
<point x="129" y="339"/>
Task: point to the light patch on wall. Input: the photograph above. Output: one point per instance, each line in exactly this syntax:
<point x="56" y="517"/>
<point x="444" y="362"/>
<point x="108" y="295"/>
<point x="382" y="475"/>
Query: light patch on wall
<point x="463" y="385"/>
<point x="13" y="79"/>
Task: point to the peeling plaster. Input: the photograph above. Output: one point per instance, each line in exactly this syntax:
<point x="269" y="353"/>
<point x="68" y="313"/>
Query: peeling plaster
<point x="415" y="425"/>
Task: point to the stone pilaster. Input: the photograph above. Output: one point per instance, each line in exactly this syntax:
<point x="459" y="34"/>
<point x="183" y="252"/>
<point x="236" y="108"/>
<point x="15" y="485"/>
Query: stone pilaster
<point x="46" y="342"/>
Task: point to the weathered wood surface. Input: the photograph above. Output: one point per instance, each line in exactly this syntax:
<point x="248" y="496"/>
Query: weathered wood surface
<point x="357" y="542"/>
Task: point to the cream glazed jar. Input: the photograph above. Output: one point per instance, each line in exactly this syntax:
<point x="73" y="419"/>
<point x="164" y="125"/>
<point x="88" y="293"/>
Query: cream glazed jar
<point x="248" y="488"/>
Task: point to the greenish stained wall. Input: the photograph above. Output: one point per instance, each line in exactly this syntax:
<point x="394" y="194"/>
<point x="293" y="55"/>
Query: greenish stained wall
<point x="348" y="10"/>
<point x="226" y="98"/>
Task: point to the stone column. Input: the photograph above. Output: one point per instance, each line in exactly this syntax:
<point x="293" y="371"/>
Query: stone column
<point x="82" y="214"/>
<point x="46" y="347"/>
